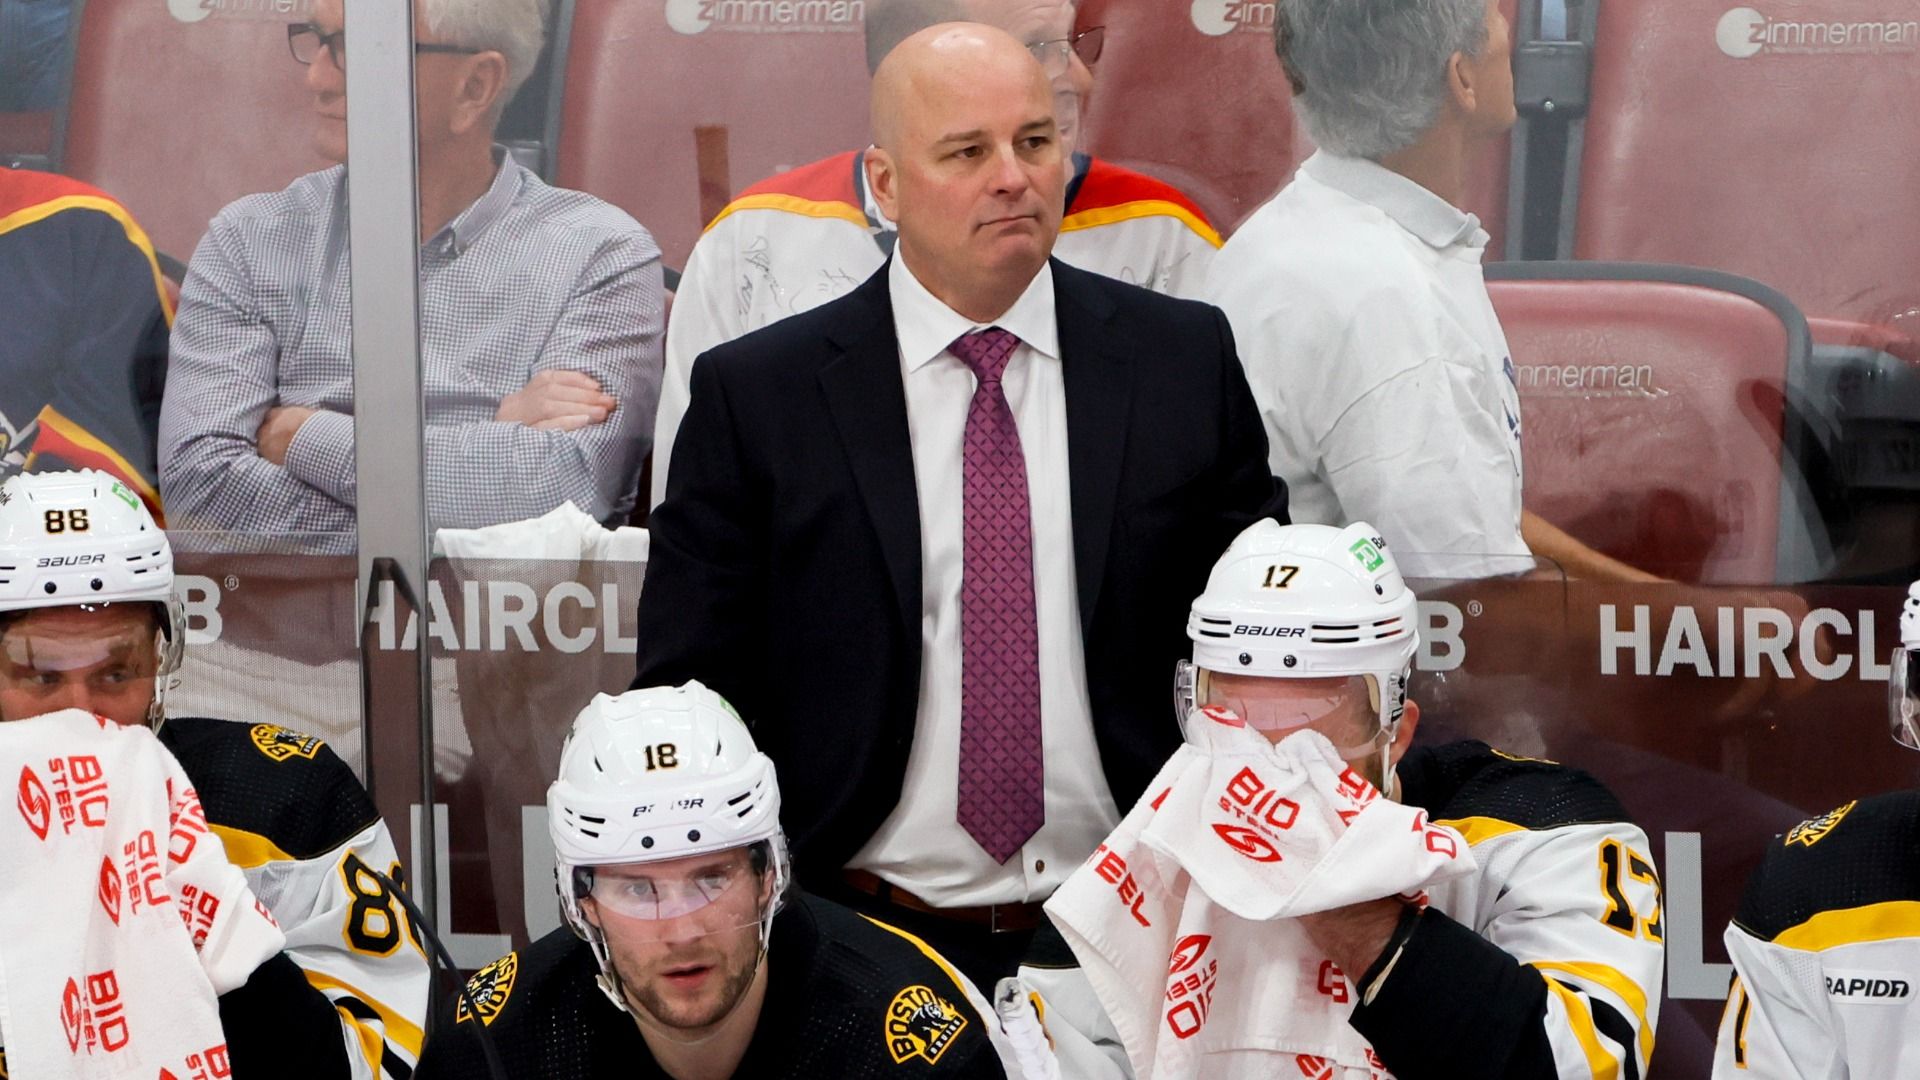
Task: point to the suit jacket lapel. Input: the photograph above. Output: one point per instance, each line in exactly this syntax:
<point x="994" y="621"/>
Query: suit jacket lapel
<point x="1099" y="384"/>
<point x="869" y="407"/>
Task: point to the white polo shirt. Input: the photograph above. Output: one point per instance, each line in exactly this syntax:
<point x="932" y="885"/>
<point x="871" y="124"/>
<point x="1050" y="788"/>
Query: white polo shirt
<point x="1360" y="310"/>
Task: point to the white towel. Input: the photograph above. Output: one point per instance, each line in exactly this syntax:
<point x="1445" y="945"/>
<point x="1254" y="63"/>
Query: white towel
<point x="565" y="532"/>
<point x="1183" y="920"/>
<point x="120" y="916"/>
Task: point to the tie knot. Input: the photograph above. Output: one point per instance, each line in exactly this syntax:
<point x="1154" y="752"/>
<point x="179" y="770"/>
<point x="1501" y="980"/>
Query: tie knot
<point x="986" y="352"/>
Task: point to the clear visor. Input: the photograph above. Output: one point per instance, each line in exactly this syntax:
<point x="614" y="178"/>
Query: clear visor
<point x="29" y="646"/>
<point x="1903" y="698"/>
<point x="684" y="898"/>
<point x="1344" y="708"/>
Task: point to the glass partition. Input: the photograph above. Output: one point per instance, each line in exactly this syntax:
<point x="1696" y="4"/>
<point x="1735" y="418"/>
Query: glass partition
<point x="1711" y="345"/>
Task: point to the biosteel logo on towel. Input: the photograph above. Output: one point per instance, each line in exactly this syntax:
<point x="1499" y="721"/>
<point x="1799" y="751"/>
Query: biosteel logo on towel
<point x="1745" y="32"/>
<point x="1217" y="18"/>
<point x="765" y="16"/>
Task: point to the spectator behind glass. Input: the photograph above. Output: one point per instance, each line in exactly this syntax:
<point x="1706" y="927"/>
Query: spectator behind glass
<point x="808" y="236"/>
<point x="541" y="316"/>
<point x="83" y="333"/>
<point x="33" y="53"/>
<point x="1358" y="299"/>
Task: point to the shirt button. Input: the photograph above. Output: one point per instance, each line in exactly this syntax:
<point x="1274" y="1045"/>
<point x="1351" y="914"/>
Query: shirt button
<point x="1039" y="866"/>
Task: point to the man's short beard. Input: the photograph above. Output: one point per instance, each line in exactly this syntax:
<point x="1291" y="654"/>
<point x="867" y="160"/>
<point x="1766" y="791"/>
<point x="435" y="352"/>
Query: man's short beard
<point x="642" y="996"/>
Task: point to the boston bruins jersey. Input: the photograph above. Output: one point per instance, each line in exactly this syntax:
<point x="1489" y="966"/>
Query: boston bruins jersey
<point x="1543" y="964"/>
<point x="1826" y="951"/>
<point x="846" y="998"/>
<point x="349" y="995"/>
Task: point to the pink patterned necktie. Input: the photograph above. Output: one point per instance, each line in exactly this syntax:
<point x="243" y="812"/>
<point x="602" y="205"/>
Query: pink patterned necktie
<point x="1001" y="780"/>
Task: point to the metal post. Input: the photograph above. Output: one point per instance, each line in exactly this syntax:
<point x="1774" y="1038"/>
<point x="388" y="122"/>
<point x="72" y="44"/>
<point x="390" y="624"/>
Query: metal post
<point x="389" y="411"/>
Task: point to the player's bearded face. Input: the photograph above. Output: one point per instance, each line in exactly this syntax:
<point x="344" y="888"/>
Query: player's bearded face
<point x="689" y="972"/>
<point x="101" y="660"/>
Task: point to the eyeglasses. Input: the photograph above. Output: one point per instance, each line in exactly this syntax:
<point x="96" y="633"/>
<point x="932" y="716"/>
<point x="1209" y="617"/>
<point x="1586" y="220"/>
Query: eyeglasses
<point x="305" y="41"/>
<point x="1056" y="56"/>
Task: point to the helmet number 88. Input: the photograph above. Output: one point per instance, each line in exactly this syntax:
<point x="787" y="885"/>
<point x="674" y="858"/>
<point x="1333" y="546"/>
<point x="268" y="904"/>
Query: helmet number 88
<point x="65" y="521"/>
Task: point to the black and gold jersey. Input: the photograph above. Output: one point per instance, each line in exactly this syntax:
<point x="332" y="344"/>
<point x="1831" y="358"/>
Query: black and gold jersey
<point x="1826" y="950"/>
<point x="348" y="998"/>
<point x="846" y="998"/>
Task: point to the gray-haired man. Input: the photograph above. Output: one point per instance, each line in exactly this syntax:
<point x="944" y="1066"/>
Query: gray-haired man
<point x="542" y="316"/>
<point x="1358" y="301"/>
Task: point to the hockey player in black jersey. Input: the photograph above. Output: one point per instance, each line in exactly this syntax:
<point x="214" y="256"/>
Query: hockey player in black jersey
<point x="88" y="620"/>
<point x="1826" y="942"/>
<point x="686" y="953"/>
<point x="1543" y="963"/>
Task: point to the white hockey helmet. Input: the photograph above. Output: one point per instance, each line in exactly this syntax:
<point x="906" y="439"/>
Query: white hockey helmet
<point x="1903" y="682"/>
<point x="83" y="539"/>
<point x="660" y="774"/>
<point x="1304" y="602"/>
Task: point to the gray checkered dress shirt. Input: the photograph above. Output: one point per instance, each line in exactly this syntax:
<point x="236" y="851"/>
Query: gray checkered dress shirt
<point x="528" y="278"/>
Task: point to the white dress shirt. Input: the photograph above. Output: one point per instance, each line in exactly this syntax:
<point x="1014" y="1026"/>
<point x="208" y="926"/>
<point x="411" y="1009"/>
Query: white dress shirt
<point x="1361" y="312"/>
<point x="921" y="847"/>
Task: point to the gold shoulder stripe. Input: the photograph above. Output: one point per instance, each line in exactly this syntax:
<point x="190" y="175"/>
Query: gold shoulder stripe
<point x="403" y="1032"/>
<point x="1477" y="829"/>
<point x="247" y="850"/>
<point x="83" y="439"/>
<point x="1617" y="983"/>
<point x="958" y="982"/>
<point x="1851" y="926"/>
<point x="792" y="204"/>
<point x="1109" y="215"/>
<point x="1580" y="1018"/>
<point x="135" y="234"/>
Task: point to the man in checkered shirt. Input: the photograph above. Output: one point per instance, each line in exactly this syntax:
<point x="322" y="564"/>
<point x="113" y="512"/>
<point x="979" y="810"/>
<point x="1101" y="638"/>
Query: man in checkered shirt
<point x="542" y="313"/>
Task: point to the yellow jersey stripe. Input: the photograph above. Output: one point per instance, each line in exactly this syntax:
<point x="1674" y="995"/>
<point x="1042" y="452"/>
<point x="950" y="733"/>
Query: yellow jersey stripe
<point x="1108" y="215"/>
<point x="1477" y="829"/>
<point x="135" y="234"/>
<point x="1615" y="981"/>
<point x="1580" y="1018"/>
<point x="1851" y="926"/>
<point x="793" y="204"/>
<point x="959" y="983"/>
<point x="247" y="850"/>
<point x="402" y="1032"/>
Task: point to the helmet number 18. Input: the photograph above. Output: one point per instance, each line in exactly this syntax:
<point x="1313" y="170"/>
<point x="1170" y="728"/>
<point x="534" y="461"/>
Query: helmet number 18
<point x="662" y="756"/>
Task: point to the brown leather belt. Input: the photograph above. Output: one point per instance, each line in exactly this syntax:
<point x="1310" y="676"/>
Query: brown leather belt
<point x="998" y="918"/>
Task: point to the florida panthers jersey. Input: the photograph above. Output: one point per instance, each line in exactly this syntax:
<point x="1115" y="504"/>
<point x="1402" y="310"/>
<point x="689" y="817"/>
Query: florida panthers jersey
<point x="847" y="999"/>
<point x="295" y="819"/>
<point x="793" y="242"/>
<point x="1826" y="951"/>
<point x="1549" y="954"/>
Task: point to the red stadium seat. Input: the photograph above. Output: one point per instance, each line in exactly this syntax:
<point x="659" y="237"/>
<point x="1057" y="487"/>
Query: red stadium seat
<point x="1654" y="410"/>
<point x="667" y="114"/>
<point x="1787" y="161"/>
<point x="1191" y="92"/>
<point x="177" y="119"/>
<point x="24" y="134"/>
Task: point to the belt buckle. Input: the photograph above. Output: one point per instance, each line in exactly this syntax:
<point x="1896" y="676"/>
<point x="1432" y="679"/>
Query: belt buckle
<point x="993" y="918"/>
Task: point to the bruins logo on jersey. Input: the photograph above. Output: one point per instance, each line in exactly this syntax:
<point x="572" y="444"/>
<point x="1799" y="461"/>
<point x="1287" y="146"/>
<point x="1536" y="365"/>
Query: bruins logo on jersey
<point x="922" y="1024"/>
<point x="1812" y="832"/>
<point x="488" y="990"/>
<point x="281" y="744"/>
